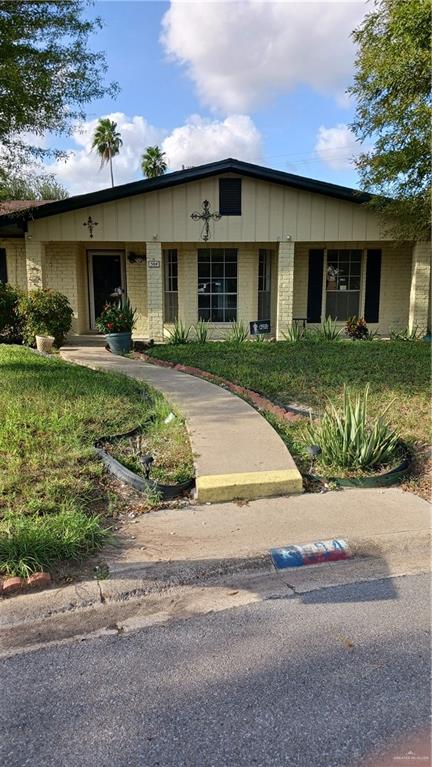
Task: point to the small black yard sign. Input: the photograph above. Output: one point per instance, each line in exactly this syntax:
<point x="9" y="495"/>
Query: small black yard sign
<point x="259" y="327"/>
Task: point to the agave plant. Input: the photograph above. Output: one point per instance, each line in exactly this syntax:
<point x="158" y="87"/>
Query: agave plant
<point x="328" y="330"/>
<point x="179" y="335"/>
<point x="294" y="333"/>
<point x="348" y="439"/>
<point x="201" y="330"/>
<point x="238" y="333"/>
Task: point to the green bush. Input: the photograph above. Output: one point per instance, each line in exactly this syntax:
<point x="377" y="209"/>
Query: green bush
<point x="348" y="439"/>
<point x="29" y="544"/>
<point x="10" y="321"/>
<point x="45" y="313"/>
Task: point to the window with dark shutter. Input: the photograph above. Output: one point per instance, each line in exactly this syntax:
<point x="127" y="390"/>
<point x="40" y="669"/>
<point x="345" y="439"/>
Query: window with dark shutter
<point x="230" y="196"/>
<point x="373" y="284"/>
<point x="3" y="265"/>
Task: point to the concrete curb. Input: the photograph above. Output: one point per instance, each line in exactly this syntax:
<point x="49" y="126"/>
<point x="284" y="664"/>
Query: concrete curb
<point x="155" y="579"/>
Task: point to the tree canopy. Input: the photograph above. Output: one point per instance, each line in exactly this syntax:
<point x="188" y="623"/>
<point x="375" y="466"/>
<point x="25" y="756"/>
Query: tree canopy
<point x="393" y="111"/>
<point x="48" y="73"/>
<point x="32" y="187"/>
<point x="153" y="162"/>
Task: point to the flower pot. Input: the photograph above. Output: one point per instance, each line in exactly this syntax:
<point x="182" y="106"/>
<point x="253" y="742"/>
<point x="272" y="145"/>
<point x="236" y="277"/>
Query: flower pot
<point x="120" y="343"/>
<point x="44" y="344"/>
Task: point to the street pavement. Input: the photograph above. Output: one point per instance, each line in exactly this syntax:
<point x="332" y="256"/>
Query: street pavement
<point x="332" y="677"/>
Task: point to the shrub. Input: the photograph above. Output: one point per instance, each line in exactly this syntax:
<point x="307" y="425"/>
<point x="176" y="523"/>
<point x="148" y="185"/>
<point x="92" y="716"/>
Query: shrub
<point x="406" y="334"/>
<point x="180" y="334"/>
<point x="348" y="439"/>
<point x="45" y="313"/>
<point x="357" y="329"/>
<point x="294" y="333"/>
<point x="328" y="331"/>
<point x="32" y="543"/>
<point x="116" y="319"/>
<point x="238" y="333"/>
<point x="10" y="321"/>
<point x="201" y="329"/>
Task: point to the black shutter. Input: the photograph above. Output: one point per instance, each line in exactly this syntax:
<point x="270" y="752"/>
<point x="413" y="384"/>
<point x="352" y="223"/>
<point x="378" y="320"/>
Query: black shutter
<point x="230" y="196"/>
<point x="373" y="283"/>
<point x="3" y="265"/>
<point x="315" y="285"/>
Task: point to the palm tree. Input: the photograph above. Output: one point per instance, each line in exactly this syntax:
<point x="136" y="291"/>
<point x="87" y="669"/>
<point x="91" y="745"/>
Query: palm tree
<point x="107" y="142"/>
<point x="153" y="162"/>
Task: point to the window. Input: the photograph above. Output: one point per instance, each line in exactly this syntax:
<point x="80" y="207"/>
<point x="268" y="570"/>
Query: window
<point x="343" y="283"/>
<point x="3" y="265"/>
<point x="230" y="196"/>
<point x="217" y="284"/>
<point x="171" y="285"/>
<point x="264" y="284"/>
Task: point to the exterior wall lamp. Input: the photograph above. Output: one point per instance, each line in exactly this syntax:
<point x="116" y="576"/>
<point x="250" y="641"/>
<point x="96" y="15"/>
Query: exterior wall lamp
<point x="136" y="258"/>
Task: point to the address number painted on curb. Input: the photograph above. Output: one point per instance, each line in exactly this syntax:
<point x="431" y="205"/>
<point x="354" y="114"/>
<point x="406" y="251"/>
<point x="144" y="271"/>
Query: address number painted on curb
<point x="310" y="553"/>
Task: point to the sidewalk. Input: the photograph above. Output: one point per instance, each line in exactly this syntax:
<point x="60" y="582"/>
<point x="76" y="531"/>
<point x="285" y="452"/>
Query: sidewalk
<point x="237" y="453"/>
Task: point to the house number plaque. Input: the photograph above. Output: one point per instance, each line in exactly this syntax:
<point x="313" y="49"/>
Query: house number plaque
<point x="154" y="264"/>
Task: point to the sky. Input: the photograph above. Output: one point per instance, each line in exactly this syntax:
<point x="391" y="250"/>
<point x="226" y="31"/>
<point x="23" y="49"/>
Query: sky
<point x="260" y="81"/>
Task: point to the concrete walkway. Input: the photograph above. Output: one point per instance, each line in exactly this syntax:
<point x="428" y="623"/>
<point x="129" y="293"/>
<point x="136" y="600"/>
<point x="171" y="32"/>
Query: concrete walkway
<point x="237" y="454"/>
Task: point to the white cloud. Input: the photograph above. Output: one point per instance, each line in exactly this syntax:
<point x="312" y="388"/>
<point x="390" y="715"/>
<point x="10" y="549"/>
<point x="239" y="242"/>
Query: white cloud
<point x="240" y="54"/>
<point x="202" y="140"/>
<point x="198" y="141"/>
<point x="336" y="146"/>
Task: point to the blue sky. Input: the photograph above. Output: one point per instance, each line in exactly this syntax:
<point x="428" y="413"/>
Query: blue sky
<point x="260" y="81"/>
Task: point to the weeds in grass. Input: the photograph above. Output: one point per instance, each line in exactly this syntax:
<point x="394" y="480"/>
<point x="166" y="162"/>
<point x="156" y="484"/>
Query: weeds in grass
<point x="31" y="543"/>
<point x="238" y="333"/>
<point x="349" y="439"/>
<point x="179" y="335"/>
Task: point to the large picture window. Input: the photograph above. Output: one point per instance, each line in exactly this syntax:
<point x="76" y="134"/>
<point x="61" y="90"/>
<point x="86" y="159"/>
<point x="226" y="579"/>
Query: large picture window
<point x="217" y="284"/>
<point x="170" y="285"/>
<point x="264" y="284"/>
<point x="343" y="283"/>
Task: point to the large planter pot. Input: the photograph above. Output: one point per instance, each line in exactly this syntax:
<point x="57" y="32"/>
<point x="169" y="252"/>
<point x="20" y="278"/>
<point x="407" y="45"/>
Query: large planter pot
<point x="119" y="343"/>
<point x="44" y="343"/>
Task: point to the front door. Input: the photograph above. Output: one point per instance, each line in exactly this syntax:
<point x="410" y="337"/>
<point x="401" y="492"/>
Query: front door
<point x="106" y="276"/>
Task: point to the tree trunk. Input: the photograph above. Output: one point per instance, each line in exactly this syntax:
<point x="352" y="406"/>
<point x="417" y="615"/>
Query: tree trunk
<point x="111" y="169"/>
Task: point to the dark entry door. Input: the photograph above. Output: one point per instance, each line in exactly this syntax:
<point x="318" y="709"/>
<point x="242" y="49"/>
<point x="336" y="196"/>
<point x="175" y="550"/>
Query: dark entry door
<point x="107" y="275"/>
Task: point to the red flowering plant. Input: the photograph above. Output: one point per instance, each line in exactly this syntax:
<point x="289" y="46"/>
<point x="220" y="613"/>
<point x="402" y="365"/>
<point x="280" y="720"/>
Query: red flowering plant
<point x="357" y="329"/>
<point x="116" y="319"/>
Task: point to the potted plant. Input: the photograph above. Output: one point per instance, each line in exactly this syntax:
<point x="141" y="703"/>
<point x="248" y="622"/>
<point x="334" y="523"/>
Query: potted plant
<point x="46" y="316"/>
<point x="117" y="323"/>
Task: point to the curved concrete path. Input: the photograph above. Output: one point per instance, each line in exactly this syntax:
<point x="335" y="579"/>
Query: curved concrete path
<point x="237" y="454"/>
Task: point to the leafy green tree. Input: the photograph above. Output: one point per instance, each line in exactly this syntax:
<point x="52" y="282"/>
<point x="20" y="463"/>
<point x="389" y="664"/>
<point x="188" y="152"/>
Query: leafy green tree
<point x="153" y="162"/>
<point x="48" y="73"/>
<point x="107" y="142"/>
<point x="393" y="111"/>
<point x="41" y="187"/>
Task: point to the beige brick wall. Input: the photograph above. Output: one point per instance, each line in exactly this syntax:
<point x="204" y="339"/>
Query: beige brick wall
<point x="155" y="290"/>
<point x="15" y="262"/>
<point x="63" y="271"/>
<point x="395" y="281"/>
<point x="136" y="288"/>
<point x="419" y="309"/>
<point x="285" y="288"/>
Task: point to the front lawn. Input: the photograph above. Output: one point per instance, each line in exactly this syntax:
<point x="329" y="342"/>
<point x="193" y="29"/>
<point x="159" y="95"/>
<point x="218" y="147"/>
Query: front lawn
<point x="309" y="373"/>
<point x="51" y="487"/>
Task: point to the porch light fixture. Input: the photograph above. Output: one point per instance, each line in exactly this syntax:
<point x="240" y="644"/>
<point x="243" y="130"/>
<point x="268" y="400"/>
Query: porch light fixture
<point x="136" y="258"/>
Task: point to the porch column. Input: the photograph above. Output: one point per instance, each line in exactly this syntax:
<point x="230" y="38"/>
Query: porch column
<point x="35" y="264"/>
<point x="420" y="286"/>
<point x="155" y="290"/>
<point x="285" y="288"/>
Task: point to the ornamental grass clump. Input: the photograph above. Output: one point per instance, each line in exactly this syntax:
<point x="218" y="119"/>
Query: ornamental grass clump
<point x="179" y="335"/>
<point x="349" y="439"/>
<point x="238" y="333"/>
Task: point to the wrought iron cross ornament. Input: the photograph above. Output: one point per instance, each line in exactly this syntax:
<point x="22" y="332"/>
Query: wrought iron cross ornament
<point x="91" y="224"/>
<point x="206" y="217"/>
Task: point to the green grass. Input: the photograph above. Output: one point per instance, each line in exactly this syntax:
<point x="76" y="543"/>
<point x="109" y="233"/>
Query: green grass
<point x="309" y="373"/>
<point x="51" y="413"/>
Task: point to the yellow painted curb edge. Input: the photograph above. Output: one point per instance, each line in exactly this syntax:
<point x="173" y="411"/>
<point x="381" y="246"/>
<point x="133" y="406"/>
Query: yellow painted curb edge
<point x="215" y="488"/>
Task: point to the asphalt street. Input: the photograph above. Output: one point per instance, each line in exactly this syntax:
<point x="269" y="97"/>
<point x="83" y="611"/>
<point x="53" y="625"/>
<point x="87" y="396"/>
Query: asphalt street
<point x="333" y="678"/>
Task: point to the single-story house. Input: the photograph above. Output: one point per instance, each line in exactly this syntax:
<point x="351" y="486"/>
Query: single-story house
<point x="227" y="241"/>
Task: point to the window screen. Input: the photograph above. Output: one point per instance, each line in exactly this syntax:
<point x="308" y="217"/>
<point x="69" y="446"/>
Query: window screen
<point x="217" y="284"/>
<point x="343" y="283"/>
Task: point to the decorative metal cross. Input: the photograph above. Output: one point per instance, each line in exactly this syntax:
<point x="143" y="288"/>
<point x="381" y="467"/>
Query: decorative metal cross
<point x="91" y="224"/>
<point x="206" y="217"/>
